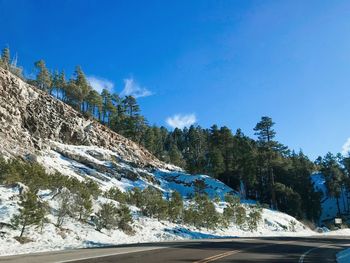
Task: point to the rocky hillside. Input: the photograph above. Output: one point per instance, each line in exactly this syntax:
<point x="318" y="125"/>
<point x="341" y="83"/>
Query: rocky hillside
<point x="35" y="125"/>
<point x="30" y="120"/>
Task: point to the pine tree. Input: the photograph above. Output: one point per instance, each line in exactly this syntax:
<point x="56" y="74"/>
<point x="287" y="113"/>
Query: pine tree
<point x="195" y="149"/>
<point x="265" y="132"/>
<point x="74" y="96"/>
<point x="176" y="157"/>
<point x="216" y="164"/>
<point x="175" y="207"/>
<point x="207" y="215"/>
<point x="226" y="144"/>
<point x="199" y="186"/>
<point x="136" y="197"/>
<point x="82" y="204"/>
<point x="55" y="83"/>
<point x="95" y="104"/>
<point x="82" y="89"/>
<point x="43" y="78"/>
<point x="334" y="176"/>
<point x="115" y="194"/>
<point x="64" y="206"/>
<point x="124" y="218"/>
<point x="149" y="140"/>
<point x="5" y="58"/>
<point x="153" y="203"/>
<point x="32" y="212"/>
<point x="62" y="86"/>
<point x="107" y="217"/>
<point x="108" y="109"/>
<point x="254" y="218"/>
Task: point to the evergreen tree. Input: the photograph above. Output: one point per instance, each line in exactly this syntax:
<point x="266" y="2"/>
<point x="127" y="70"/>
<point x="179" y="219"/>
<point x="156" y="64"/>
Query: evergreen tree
<point x="334" y="176"/>
<point x="62" y="86"/>
<point x="32" y="212"/>
<point x="117" y="195"/>
<point x="64" y="207"/>
<point x="216" y="165"/>
<point x="199" y="186"/>
<point x="82" y="204"/>
<point x="175" y="207"/>
<point x="265" y="132"/>
<point x="136" y="197"/>
<point x="55" y="83"/>
<point x="149" y="140"/>
<point x="153" y="203"/>
<point x="5" y="58"/>
<point x="207" y="217"/>
<point x="43" y="78"/>
<point x="95" y="104"/>
<point x="107" y="217"/>
<point x="176" y="156"/>
<point x="108" y="109"/>
<point x="74" y="95"/>
<point x="254" y="218"/>
<point x="84" y="88"/>
<point x="124" y="218"/>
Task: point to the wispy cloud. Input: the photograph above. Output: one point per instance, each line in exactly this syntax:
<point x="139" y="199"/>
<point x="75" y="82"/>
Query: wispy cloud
<point x="181" y="120"/>
<point x="99" y="84"/>
<point x="131" y="87"/>
<point x="346" y="147"/>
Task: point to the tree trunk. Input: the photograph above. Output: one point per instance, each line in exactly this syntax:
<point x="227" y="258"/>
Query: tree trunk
<point x="23" y="228"/>
<point x="338" y="206"/>
<point x="273" y="193"/>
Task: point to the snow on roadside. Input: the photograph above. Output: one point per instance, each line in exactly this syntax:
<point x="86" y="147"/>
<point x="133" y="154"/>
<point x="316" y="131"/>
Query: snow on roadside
<point x="74" y="234"/>
<point x="339" y="232"/>
<point x="343" y="256"/>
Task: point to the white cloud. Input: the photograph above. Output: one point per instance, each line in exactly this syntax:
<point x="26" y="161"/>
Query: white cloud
<point x="346" y="147"/>
<point x="131" y="87"/>
<point x="180" y="121"/>
<point x="99" y="84"/>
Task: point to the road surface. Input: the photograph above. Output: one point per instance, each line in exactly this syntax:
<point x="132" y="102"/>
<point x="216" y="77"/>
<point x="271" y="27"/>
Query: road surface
<point x="310" y="249"/>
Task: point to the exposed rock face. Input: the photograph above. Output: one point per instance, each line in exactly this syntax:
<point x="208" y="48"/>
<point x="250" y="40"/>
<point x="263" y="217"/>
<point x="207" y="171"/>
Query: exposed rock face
<point x="30" y="120"/>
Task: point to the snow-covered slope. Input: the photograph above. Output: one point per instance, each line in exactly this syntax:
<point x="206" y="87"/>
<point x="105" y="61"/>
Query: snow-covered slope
<point x="74" y="234"/>
<point x="105" y="167"/>
<point x="94" y="160"/>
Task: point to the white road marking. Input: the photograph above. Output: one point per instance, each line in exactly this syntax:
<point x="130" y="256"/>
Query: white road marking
<point x="111" y="254"/>
<point x="301" y="259"/>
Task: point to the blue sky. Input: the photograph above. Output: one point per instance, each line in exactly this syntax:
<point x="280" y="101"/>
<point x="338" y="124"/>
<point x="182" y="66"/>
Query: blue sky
<point x="224" y="62"/>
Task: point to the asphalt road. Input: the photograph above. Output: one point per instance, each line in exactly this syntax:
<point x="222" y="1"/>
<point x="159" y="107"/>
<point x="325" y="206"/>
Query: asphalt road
<point x="311" y="249"/>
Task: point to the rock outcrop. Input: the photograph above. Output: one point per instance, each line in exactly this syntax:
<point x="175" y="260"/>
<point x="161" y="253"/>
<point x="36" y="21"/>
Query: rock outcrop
<point x="30" y="120"/>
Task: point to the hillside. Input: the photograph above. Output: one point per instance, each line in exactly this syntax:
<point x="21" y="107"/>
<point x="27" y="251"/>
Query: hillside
<point x="30" y="120"/>
<point x="36" y="127"/>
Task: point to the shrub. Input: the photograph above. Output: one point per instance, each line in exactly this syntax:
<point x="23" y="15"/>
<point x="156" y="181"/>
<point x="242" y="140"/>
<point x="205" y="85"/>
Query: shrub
<point x="240" y="215"/>
<point x="254" y="218"/>
<point x="124" y="218"/>
<point x="106" y="217"/>
<point x="233" y="211"/>
<point x="136" y="197"/>
<point x="115" y="194"/>
<point x="175" y="207"/>
<point x="202" y="212"/>
<point x="82" y="205"/>
<point x="153" y="203"/>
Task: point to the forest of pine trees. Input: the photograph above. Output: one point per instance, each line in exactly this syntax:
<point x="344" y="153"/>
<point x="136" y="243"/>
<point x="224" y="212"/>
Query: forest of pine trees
<point x="262" y="169"/>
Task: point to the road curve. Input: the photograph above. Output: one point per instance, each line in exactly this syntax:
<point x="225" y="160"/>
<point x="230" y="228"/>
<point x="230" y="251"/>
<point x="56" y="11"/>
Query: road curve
<point x="286" y="249"/>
